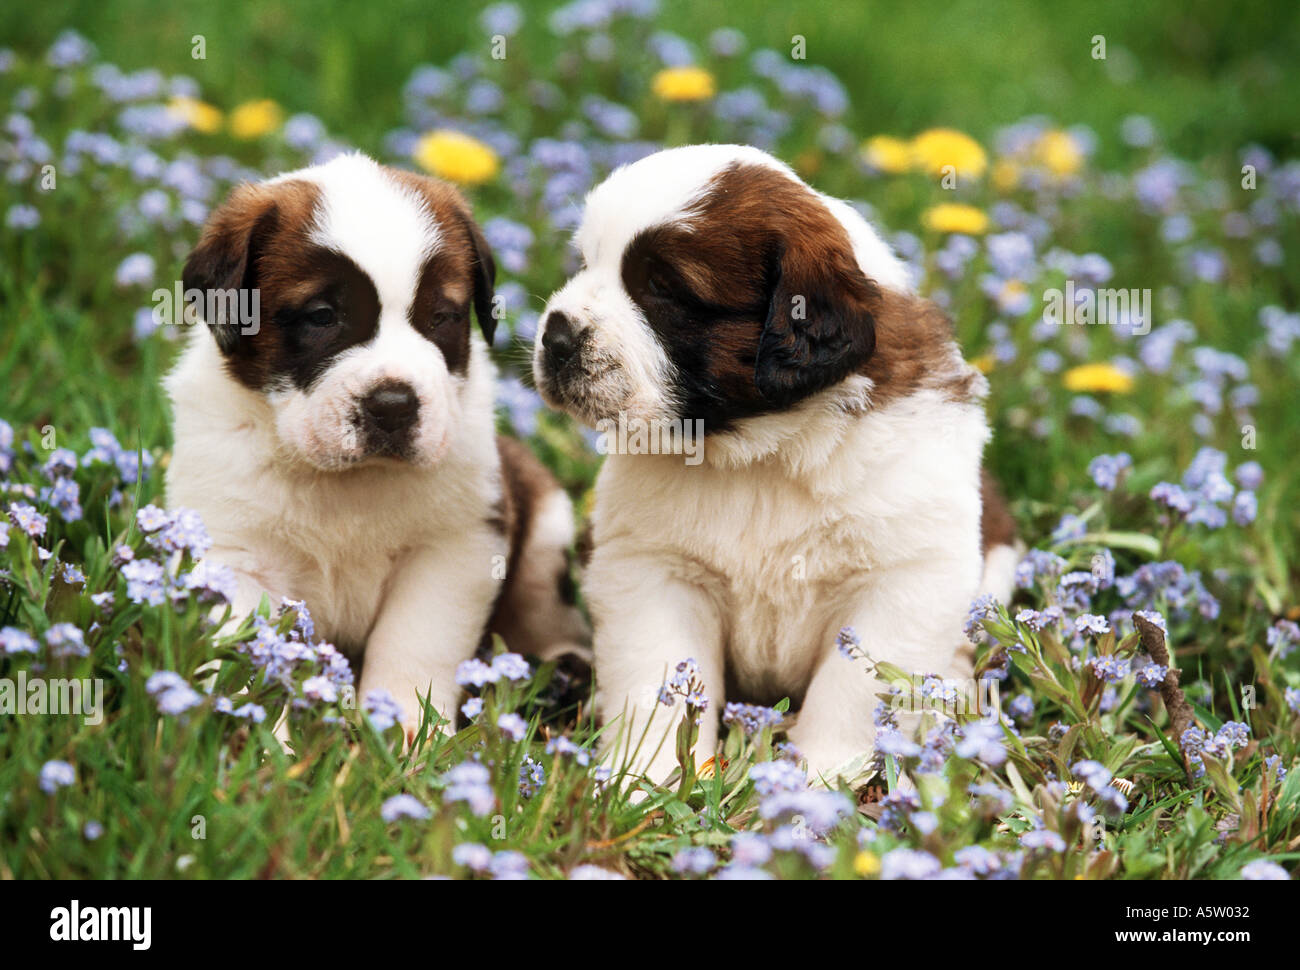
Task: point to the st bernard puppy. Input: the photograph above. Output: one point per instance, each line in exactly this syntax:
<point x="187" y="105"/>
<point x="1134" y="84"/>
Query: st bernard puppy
<point x="341" y="449"/>
<point x="840" y="484"/>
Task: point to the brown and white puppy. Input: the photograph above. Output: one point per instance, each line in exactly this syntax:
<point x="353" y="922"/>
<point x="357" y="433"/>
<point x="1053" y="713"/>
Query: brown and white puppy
<point x="840" y="480"/>
<point x="341" y="448"/>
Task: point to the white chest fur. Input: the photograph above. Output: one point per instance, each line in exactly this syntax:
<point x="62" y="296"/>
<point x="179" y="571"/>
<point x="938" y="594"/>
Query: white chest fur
<point x="331" y="538"/>
<point x="785" y="543"/>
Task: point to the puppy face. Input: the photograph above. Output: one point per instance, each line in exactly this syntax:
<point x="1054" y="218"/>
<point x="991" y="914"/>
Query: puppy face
<point x="715" y="286"/>
<point x="364" y="278"/>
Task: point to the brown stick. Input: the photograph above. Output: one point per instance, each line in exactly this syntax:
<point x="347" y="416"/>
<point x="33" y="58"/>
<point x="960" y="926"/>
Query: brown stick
<point x="1180" y="712"/>
<point x="637" y="830"/>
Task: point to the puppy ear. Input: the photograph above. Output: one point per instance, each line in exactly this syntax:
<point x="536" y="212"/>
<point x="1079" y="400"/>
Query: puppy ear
<point x="820" y="322"/>
<point x="226" y="254"/>
<point x="485" y="275"/>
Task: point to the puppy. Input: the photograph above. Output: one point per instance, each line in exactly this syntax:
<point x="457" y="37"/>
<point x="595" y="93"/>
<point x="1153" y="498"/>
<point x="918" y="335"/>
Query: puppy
<point x="339" y="442"/>
<point x="840" y="480"/>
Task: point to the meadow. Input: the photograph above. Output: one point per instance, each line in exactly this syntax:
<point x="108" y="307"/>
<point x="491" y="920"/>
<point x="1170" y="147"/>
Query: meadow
<point x="1029" y="163"/>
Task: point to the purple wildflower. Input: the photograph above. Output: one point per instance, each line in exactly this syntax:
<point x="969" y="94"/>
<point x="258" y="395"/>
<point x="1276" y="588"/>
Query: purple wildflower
<point x="696" y="860"/>
<point x="473" y="856"/>
<point x="475" y="673"/>
<point x="1105" y="470"/>
<point x="382" y="711"/>
<point x="1091" y="623"/>
<point x="13" y="640"/>
<point x="403" y="806"/>
<point x="1152" y="675"/>
<point x="55" y="775"/>
<point x="1043" y="839"/>
<point x="1109" y="668"/>
<point x="468" y="782"/>
<point x="66" y="640"/>
<point x="511" y="666"/>
<point x="512" y="726"/>
<point x="909" y="864"/>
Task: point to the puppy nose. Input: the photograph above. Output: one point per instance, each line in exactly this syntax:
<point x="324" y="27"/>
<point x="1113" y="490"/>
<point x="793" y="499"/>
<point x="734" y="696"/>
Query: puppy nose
<point x="559" y="339"/>
<point x="392" y="407"/>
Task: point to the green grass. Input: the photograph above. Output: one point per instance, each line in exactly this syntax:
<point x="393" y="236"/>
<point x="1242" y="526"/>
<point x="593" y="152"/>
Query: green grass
<point x="1212" y="80"/>
<point x="1212" y="76"/>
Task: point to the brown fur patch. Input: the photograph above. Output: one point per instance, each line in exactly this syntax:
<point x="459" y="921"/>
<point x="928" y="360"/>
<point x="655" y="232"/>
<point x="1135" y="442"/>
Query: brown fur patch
<point x="535" y="612"/>
<point x="257" y="239"/>
<point x="525" y="482"/>
<point x="915" y="348"/>
<point x="585" y="544"/>
<point x="757" y="297"/>
<point x="997" y="527"/>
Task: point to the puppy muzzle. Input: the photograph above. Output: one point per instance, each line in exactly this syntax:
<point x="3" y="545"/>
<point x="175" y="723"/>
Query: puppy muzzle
<point x="388" y="416"/>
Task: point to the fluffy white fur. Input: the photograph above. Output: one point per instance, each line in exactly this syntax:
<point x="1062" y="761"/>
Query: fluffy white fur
<point x="798" y="523"/>
<point x="399" y="558"/>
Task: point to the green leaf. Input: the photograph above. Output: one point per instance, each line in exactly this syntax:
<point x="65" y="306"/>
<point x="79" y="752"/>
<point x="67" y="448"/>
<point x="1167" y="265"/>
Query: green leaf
<point x="1149" y="546"/>
<point x="1168" y="745"/>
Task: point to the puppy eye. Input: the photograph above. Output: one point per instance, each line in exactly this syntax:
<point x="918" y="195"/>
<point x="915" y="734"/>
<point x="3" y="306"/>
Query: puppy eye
<point x="445" y="318"/>
<point x="320" y="315"/>
<point x="659" y="282"/>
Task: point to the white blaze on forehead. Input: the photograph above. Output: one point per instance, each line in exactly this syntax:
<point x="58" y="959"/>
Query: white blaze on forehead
<point x="380" y="224"/>
<point x="653" y="191"/>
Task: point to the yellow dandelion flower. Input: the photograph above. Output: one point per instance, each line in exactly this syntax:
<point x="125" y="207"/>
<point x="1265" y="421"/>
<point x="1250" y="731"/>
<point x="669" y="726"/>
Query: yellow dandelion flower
<point x="1059" y="153"/>
<point x="1098" y="377"/>
<point x="1005" y="175"/>
<point x="456" y="156"/>
<point x="866" y="864"/>
<point x="683" y="84"/>
<point x="887" y="154"/>
<point x="955" y="217"/>
<point x="935" y="150"/>
<point x="983" y="363"/>
<point x="253" y="119"/>
<point x="199" y="115"/>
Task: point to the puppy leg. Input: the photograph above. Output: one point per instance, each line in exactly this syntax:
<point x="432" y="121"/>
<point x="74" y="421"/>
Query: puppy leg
<point x="998" y="541"/>
<point x="905" y="618"/>
<point x="648" y="621"/>
<point x="251" y="581"/>
<point x="998" y="581"/>
<point x="1002" y="553"/>
<point x="432" y="619"/>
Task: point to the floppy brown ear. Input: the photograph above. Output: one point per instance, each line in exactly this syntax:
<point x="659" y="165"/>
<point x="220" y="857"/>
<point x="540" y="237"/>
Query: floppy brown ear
<point x="485" y="275"/>
<point x="226" y="254"/>
<point x="820" y="324"/>
<point x="446" y="203"/>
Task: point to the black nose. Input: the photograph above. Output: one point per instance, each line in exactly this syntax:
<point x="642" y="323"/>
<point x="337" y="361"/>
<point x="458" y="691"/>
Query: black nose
<point x="559" y="340"/>
<point x="392" y="407"/>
